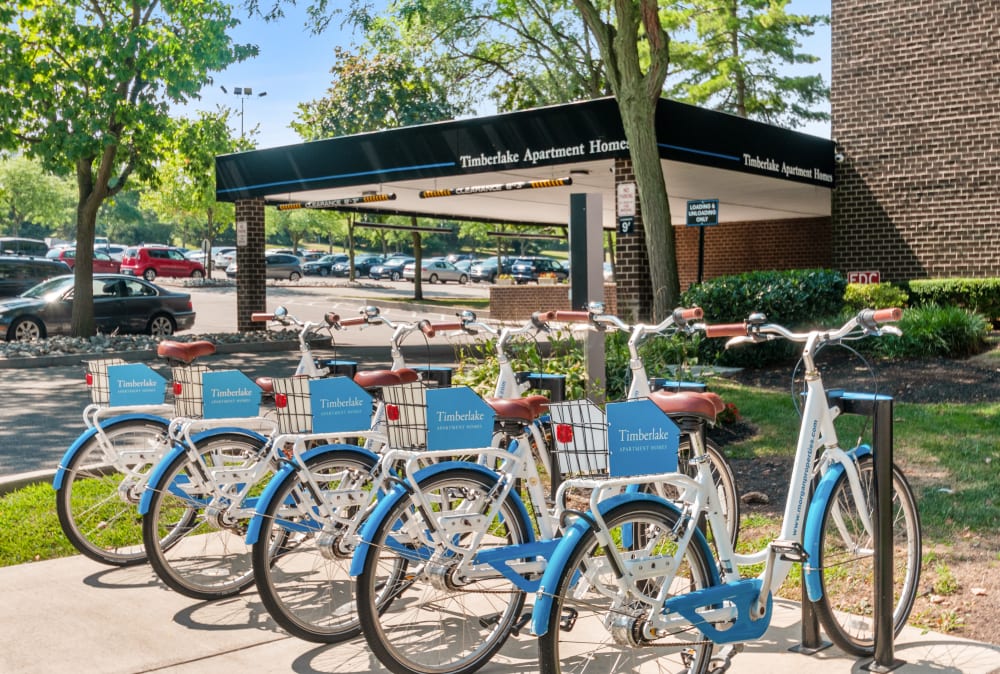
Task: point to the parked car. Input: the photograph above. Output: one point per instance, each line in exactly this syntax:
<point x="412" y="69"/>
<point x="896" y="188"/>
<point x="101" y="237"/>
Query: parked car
<point x="116" y="251"/>
<point x="223" y="256"/>
<point x="465" y="265"/>
<point x="19" y="273"/>
<point x="609" y="272"/>
<point x="103" y="263"/>
<point x="152" y="261"/>
<point x="391" y="269"/>
<point x="362" y="265"/>
<point x="454" y="258"/>
<point x="279" y="266"/>
<point x="121" y="303"/>
<point x="12" y="245"/>
<point x="530" y="268"/>
<point x="324" y="265"/>
<point x="435" y="270"/>
<point x="486" y="270"/>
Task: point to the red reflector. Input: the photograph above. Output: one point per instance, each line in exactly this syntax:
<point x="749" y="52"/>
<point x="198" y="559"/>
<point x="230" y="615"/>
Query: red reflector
<point x="392" y="412"/>
<point x="564" y="433"/>
<point x="90" y="379"/>
<point x="281" y="400"/>
<point x="177" y="388"/>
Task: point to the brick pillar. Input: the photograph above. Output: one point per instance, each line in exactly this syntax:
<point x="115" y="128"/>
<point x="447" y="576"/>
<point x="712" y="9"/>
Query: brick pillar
<point x="634" y="286"/>
<point x="251" y="288"/>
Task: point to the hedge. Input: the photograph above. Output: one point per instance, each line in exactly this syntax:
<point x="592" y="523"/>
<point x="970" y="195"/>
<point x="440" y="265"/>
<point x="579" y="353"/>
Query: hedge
<point x="980" y="295"/>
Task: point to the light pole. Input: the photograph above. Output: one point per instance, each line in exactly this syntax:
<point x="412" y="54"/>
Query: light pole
<point x="244" y="93"/>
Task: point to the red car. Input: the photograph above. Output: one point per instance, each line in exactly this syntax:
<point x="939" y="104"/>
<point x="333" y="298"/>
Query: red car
<point x="103" y="263"/>
<point x="152" y="261"/>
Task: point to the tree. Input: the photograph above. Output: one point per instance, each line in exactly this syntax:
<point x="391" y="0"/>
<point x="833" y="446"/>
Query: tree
<point x="637" y="76"/>
<point x="31" y="195"/>
<point x="186" y="175"/>
<point x="733" y="64"/>
<point x="88" y="83"/>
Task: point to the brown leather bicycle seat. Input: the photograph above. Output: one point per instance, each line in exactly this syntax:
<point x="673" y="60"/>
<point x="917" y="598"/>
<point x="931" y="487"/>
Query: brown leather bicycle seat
<point x="513" y="408"/>
<point x="266" y="384"/>
<point x="380" y="378"/>
<point x="539" y="404"/>
<point x="716" y="400"/>
<point x="685" y="404"/>
<point x="185" y="352"/>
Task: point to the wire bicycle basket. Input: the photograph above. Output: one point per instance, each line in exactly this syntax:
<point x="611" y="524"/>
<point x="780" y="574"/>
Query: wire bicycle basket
<point x="188" y="390"/>
<point x="580" y="439"/>
<point x="97" y="379"/>
<point x="406" y="415"/>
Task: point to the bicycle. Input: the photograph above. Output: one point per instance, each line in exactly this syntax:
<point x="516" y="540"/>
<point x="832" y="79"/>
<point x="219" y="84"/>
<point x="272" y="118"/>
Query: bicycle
<point x="104" y="471"/>
<point x="656" y="599"/>
<point x="639" y="387"/>
<point x="201" y="496"/>
<point x="446" y="559"/>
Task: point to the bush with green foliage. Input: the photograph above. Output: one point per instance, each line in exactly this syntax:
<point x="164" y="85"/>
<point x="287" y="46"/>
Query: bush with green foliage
<point x="794" y="298"/>
<point x="860" y="296"/>
<point x="933" y="331"/>
<point x="981" y="295"/>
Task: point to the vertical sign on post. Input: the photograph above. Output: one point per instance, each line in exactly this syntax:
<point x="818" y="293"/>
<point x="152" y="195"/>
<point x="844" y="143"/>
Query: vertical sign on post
<point x="702" y="213"/>
<point x="241" y="233"/>
<point x="586" y="252"/>
<point x="626" y="208"/>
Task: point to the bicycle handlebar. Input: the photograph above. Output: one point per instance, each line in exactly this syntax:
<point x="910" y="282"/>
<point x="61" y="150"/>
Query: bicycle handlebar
<point x="726" y="330"/>
<point x="756" y="328"/>
<point x="260" y="317"/>
<point x="347" y="322"/>
<point x="569" y="316"/>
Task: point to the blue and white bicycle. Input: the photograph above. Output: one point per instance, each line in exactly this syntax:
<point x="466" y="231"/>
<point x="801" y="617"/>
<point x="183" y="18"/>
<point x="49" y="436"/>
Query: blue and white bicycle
<point x="634" y="586"/>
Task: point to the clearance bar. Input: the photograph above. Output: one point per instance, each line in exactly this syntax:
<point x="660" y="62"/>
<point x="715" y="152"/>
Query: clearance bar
<point x="499" y="187"/>
<point x="332" y="203"/>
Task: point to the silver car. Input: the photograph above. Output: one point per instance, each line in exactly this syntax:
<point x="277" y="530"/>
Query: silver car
<point x="277" y="266"/>
<point x="436" y="270"/>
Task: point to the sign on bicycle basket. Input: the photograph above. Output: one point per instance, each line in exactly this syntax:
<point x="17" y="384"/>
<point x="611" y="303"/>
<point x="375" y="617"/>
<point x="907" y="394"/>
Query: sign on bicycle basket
<point x="135" y="384"/>
<point x="641" y="439"/>
<point x="457" y="418"/>
<point x="338" y="404"/>
<point x="230" y="394"/>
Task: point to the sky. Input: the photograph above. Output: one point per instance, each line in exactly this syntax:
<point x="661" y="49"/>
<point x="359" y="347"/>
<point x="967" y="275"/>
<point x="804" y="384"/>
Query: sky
<point x="294" y="66"/>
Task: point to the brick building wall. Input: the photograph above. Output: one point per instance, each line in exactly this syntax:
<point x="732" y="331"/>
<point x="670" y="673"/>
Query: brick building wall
<point x="915" y="101"/>
<point x="635" y="289"/>
<point x="736" y="247"/>
<point x="251" y="288"/>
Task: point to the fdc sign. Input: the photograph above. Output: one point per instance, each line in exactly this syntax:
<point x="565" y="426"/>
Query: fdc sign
<point x="863" y="277"/>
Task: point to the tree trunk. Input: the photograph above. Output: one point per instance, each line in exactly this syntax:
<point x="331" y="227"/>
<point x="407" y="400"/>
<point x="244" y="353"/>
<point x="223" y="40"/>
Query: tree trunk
<point x="89" y="201"/>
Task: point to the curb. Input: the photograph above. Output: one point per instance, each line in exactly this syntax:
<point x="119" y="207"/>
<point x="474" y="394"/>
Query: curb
<point x="12" y="483"/>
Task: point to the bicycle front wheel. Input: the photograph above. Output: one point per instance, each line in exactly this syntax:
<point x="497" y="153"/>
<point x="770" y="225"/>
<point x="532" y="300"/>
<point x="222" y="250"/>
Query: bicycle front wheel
<point x="96" y="502"/>
<point x="847" y="561"/>
<point x="302" y="564"/>
<point x="194" y="543"/>
<point x="425" y="613"/>
<point x="599" y="625"/>
<point x="723" y="478"/>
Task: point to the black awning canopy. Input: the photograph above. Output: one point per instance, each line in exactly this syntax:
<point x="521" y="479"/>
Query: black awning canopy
<point x="756" y="171"/>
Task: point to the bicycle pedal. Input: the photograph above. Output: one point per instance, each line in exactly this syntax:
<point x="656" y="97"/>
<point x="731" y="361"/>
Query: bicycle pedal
<point x="487" y="621"/>
<point x="521" y="622"/>
<point x="567" y="621"/>
<point x="789" y="551"/>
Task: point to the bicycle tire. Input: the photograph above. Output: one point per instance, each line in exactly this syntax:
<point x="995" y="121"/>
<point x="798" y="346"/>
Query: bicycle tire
<point x="305" y="584"/>
<point x="847" y="572"/>
<point x="589" y="596"/>
<point x="418" y="619"/>
<point x="97" y="501"/>
<point x="189" y="547"/>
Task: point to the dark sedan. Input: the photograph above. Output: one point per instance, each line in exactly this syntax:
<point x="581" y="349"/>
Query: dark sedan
<point x="122" y="303"/>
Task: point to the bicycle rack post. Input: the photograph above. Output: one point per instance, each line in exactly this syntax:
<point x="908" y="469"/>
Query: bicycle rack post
<point x="879" y="408"/>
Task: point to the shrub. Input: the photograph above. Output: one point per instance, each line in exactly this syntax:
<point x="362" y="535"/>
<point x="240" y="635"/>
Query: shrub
<point x="793" y="298"/>
<point x="981" y="295"/>
<point x="874" y="296"/>
<point x="931" y="331"/>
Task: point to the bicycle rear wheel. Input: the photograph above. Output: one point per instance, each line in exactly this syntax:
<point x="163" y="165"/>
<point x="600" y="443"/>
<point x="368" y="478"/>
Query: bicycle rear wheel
<point x="192" y="544"/>
<point x="723" y="478"/>
<point x="847" y="561"/>
<point x="305" y="583"/>
<point x="596" y="625"/>
<point x="96" y="502"/>
<point x="418" y="612"/>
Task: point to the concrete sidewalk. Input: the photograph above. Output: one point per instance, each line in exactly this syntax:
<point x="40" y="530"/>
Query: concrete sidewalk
<point x="74" y="615"/>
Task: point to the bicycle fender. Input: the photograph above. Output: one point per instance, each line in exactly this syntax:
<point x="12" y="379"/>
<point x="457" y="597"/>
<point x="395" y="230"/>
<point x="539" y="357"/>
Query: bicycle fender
<point x="571" y="537"/>
<point x="400" y="491"/>
<point x="91" y="432"/>
<point x="156" y="475"/>
<point x="287" y="470"/>
<point x="812" y="534"/>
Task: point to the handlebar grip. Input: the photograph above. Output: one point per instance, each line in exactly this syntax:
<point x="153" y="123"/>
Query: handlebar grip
<point x="260" y="317"/>
<point x="543" y="315"/>
<point x="331" y="318"/>
<point x="726" y="330"/>
<point x="448" y="326"/>
<point x="887" y="315"/>
<point x="691" y="314"/>
<point x="426" y="327"/>
<point x="570" y="316"/>
<point x="347" y="322"/>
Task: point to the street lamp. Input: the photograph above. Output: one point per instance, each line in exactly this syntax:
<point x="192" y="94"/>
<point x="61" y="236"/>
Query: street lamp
<point x="243" y="93"/>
